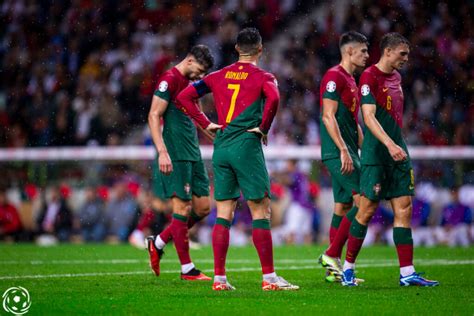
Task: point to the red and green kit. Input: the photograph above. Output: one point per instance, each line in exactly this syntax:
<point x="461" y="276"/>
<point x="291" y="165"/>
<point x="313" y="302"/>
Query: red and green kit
<point x="180" y="136"/>
<point x="338" y="85"/>
<point x="245" y="97"/>
<point x="381" y="176"/>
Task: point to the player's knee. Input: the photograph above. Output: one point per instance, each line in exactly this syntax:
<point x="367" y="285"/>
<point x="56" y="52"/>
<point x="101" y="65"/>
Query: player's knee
<point x="203" y="210"/>
<point x="365" y="215"/>
<point x="404" y="213"/>
<point x="182" y="209"/>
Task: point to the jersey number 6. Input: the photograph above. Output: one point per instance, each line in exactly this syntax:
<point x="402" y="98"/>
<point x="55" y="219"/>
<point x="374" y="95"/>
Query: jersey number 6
<point x="236" y="89"/>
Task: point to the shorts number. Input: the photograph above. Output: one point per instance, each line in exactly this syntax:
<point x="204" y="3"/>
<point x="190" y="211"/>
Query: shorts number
<point x="236" y="89"/>
<point x="353" y="107"/>
<point x="389" y="102"/>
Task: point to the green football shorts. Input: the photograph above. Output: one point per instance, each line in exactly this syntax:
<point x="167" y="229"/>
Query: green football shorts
<point x="344" y="186"/>
<point x="379" y="182"/>
<point x="187" y="179"/>
<point x="240" y="166"/>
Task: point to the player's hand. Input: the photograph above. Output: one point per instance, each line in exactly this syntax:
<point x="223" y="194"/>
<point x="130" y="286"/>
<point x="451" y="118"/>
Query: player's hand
<point x="164" y="161"/>
<point x="347" y="165"/>
<point x="397" y="153"/>
<point x="213" y="128"/>
<point x="263" y="136"/>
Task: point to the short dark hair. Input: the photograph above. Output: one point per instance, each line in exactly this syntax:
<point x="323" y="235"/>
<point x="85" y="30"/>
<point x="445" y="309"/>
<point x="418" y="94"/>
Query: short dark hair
<point x="249" y="40"/>
<point x="203" y="55"/>
<point x="352" y="37"/>
<point x="392" y="40"/>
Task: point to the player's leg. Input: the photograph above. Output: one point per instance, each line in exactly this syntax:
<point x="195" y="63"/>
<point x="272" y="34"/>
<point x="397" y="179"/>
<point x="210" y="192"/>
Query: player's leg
<point x="262" y="240"/>
<point x="226" y="194"/>
<point x="220" y="242"/>
<point x="357" y="233"/>
<point x="254" y="182"/>
<point x="402" y="237"/>
<point x="346" y="190"/>
<point x="176" y="186"/>
<point x="400" y="191"/>
<point x="201" y="203"/>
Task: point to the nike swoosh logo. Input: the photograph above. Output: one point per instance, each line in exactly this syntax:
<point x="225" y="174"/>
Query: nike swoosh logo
<point x="352" y="90"/>
<point x="411" y="187"/>
<point x="385" y="89"/>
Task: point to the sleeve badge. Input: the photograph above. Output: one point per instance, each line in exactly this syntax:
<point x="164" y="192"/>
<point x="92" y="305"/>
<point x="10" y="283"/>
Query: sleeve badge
<point x="163" y="86"/>
<point x="331" y="86"/>
<point x="365" y="90"/>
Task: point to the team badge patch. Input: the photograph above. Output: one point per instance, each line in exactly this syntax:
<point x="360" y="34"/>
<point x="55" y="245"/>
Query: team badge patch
<point x="377" y="188"/>
<point x="187" y="188"/>
<point x="365" y="90"/>
<point x="331" y="86"/>
<point x="163" y="86"/>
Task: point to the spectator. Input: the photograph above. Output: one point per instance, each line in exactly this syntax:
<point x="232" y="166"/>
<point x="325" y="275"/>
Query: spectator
<point x="91" y="217"/>
<point x="455" y="223"/>
<point x="10" y="223"/>
<point x="55" y="217"/>
<point x="423" y="234"/>
<point x="121" y="213"/>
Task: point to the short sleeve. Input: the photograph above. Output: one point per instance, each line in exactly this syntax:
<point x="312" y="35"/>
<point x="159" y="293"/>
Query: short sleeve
<point x="331" y="86"/>
<point x="367" y="85"/>
<point x="164" y="88"/>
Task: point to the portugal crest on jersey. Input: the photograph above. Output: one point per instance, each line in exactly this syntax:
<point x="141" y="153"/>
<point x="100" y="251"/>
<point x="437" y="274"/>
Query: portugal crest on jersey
<point x="187" y="188"/>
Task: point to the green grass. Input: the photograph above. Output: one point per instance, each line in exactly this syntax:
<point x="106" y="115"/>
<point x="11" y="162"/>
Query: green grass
<point x="127" y="286"/>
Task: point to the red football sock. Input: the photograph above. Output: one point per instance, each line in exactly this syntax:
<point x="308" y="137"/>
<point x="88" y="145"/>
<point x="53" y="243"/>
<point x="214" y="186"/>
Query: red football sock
<point x="336" y="246"/>
<point x="403" y="240"/>
<point x="262" y="239"/>
<point x="179" y="231"/>
<point x="405" y="255"/>
<point x="335" y="222"/>
<point x="332" y="234"/>
<point x="220" y="244"/>
<point x="165" y="235"/>
<point x="356" y="239"/>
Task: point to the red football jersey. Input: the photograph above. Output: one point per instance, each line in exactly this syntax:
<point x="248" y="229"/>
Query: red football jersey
<point x="245" y="97"/>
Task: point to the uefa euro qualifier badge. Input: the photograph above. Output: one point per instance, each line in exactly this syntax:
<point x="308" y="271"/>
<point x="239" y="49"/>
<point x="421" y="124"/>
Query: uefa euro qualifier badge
<point x="16" y="300"/>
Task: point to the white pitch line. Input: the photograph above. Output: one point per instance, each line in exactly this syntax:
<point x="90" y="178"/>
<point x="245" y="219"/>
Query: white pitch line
<point x="233" y="261"/>
<point x="439" y="262"/>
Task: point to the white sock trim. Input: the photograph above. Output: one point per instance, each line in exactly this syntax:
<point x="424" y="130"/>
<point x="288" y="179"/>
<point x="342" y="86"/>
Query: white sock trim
<point x="406" y="271"/>
<point x="220" y="278"/>
<point x="270" y="277"/>
<point x="159" y="243"/>
<point x="348" y="265"/>
<point x="185" y="268"/>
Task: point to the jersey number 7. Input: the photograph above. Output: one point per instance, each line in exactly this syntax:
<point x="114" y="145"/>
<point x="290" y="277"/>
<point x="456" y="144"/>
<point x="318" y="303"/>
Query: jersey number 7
<point x="236" y="89"/>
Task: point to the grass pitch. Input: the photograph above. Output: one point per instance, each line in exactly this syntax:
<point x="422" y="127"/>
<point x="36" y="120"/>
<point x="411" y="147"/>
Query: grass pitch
<point x="116" y="280"/>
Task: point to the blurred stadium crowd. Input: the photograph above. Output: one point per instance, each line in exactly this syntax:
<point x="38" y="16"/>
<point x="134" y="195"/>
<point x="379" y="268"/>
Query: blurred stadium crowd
<point x="301" y="211"/>
<point x="82" y="72"/>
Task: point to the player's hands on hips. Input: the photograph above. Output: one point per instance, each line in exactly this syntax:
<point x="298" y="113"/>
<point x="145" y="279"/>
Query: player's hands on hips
<point x="347" y="166"/>
<point x="213" y="127"/>
<point x="397" y="153"/>
<point x="262" y="135"/>
<point x="164" y="161"/>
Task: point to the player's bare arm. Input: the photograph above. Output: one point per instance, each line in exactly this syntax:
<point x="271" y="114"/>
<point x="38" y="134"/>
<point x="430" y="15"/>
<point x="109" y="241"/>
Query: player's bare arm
<point x="272" y="100"/>
<point x="368" y="111"/>
<point x="158" y="108"/>
<point x="329" y="120"/>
